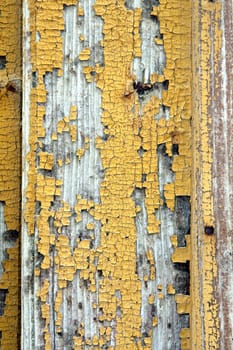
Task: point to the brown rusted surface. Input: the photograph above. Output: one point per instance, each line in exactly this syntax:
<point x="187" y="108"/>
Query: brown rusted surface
<point x="222" y="107"/>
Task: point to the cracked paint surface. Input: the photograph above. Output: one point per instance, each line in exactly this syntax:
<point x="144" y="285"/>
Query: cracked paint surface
<point x="10" y="168"/>
<point x="108" y="159"/>
<point x="207" y="44"/>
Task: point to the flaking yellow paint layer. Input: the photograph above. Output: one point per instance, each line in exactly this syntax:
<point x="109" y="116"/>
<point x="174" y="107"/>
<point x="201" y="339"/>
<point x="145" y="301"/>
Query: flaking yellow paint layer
<point x="10" y="163"/>
<point x="175" y="25"/>
<point x="130" y="127"/>
<point x="206" y="50"/>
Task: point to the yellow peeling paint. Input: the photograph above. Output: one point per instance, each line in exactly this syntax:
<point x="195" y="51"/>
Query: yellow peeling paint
<point x="46" y="160"/>
<point x="174" y="240"/>
<point x="80" y="11"/>
<point x="85" y="54"/>
<point x="185" y="338"/>
<point x="169" y="192"/>
<point x="130" y="126"/>
<point x="80" y="153"/>
<point x="170" y="289"/>
<point x="90" y="226"/>
<point x="155" y="322"/>
<point x="206" y="45"/>
<point x="182" y="254"/>
<point x="46" y="54"/>
<point x="183" y="303"/>
<point x="151" y="299"/>
<point x="73" y="113"/>
<point x="175" y="25"/>
<point x="10" y="164"/>
<point x="58" y="303"/>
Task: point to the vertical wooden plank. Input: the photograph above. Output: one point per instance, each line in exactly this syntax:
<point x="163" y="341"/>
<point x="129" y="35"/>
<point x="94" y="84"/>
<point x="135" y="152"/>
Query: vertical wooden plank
<point x="221" y="109"/>
<point x="10" y="169"/>
<point x="106" y="183"/>
<point x="207" y="42"/>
